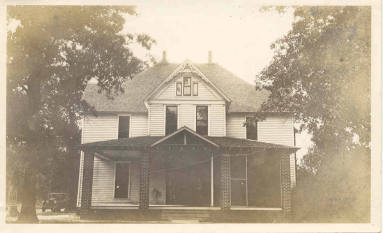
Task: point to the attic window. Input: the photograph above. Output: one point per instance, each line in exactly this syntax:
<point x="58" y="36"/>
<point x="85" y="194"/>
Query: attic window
<point x="179" y="89"/>
<point x="195" y="89"/>
<point x="187" y="86"/>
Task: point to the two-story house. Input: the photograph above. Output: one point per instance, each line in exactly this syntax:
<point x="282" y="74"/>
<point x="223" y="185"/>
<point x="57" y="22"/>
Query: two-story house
<point x="177" y="138"/>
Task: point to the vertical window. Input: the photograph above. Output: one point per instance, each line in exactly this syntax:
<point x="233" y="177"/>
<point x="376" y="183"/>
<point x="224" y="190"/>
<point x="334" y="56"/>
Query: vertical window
<point x="171" y="119"/>
<point x="179" y="88"/>
<point x="122" y="179"/>
<point x="187" y="86"/>
<point x="251" y="128"/>
<point x="202" y="120"/>
<point x="195" y="88"/>
<point x="123" y="126"/>
<point x="238" y="176"/>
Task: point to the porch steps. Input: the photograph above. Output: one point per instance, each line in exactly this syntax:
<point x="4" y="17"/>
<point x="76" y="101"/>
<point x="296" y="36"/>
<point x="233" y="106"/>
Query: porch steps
<point x="177" y="215"/>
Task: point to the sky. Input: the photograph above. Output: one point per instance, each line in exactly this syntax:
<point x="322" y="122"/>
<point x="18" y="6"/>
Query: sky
<point x="238" y="34"/>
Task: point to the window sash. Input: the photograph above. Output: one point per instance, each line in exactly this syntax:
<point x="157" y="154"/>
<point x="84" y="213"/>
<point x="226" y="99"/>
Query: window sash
<point x="202" y="120"/>
<point x="251" y="128"/>
<point x="187" y="86"/>
<point x="171" y="124"/>
<point x="123" y="126"/>
<point x="178" y="88"/>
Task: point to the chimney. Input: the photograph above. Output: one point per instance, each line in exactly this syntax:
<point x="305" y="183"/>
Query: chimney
<point x="210" y="57"/>
<point x="164" y="60"/>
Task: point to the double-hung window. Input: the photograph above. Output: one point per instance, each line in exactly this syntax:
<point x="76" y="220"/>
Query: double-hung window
<point x="251" y="128"/>
<point x="123" y="126"/>
<point x="187" y="86"/>
<point x="202" y="120"/>
<point x="171" y="119"/>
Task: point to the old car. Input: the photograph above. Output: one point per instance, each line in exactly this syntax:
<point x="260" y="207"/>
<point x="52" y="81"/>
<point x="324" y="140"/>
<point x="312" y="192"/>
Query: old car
<point x="55" y="202"/>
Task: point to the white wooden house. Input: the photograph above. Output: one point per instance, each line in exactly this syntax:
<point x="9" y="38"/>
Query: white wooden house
<point x="177" y="138"/>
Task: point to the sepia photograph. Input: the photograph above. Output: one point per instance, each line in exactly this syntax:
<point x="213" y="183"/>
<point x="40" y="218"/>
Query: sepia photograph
<point x="192" y="113"/>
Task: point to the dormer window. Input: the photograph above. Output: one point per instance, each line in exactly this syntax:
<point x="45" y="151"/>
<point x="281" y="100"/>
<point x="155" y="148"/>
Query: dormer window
<point x="187" y="86"/>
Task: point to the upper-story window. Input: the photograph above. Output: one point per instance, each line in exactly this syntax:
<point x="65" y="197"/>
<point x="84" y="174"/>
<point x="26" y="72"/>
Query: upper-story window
<point x="171" y="119"/>
<point x="187" y="86"/>
<point x="178" y="88"/>
<point x="123" y="126"/>
<point x="251" y="128"/>
<point x="202" y="120"/>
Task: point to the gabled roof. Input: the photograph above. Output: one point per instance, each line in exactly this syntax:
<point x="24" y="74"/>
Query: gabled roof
<point x="243" y="96"/>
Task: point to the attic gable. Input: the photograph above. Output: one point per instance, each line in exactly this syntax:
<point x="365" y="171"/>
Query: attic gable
<point x="206" y="90"/>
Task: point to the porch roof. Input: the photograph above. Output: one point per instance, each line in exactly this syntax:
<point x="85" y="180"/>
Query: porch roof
<point x="149" y="142"/>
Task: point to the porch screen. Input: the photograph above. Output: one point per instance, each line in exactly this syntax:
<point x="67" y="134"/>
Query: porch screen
<point x="121" y="187"/>
<point x="123" y="126"/>
<point x="202" y="120"/>
<point x="171" y="119"/>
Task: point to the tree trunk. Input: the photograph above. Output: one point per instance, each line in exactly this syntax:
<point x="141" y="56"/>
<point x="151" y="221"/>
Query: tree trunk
<point x="28" y="198"/>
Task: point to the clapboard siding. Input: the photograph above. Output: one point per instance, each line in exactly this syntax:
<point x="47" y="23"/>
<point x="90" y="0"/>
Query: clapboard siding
<point x="157" y="120"/>
<point x="204" y="91"/>
<point x="235" y="127"/>
<point x="139" y="125"/>
<point x="217" y="120"/>
<point x="100" y="128"/>
<point x="187" y="116"/>
<point x="103" y="181"/>
<point x="279" y="130"/>
<point x="276" y="129"/>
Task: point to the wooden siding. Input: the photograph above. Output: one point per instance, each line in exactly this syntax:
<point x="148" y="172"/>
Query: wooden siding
<point x="187" y="116"/>
<point x="156" y="120"/>
<point x="235" y="127"/>
<point x="279" y="130"/>
<point x="100" y="128"/>
<point x="204" y="91"/>
<point x="139" y="125"/>
<point x="217" y="120"/>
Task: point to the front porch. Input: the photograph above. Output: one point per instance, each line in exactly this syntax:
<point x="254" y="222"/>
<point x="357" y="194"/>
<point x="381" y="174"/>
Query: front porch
<point x="188" y="173"/>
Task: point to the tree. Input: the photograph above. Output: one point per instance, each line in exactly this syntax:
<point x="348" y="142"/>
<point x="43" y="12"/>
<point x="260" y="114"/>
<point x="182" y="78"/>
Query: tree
<point x="52" y="53"/>
<point x="321" y="73"/>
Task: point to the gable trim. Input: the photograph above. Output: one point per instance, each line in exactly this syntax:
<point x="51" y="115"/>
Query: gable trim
<point x="184" y="128"/>
<point x="188" y="66"/>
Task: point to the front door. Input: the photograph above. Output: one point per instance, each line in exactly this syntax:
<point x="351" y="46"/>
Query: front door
<point x="238" y="170"/>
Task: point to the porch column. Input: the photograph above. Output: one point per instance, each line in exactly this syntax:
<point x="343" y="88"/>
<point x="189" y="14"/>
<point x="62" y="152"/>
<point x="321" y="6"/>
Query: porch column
<point x="286" y="184"/>
<point x="87" y="181"/>
<point x="144" y="181"/>
<point x="225" y="182"/>
<point x="212" y="180"/>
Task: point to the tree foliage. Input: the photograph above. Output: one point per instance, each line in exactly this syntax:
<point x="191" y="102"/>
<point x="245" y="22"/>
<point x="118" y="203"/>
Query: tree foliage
<point x="321" y="73"/>
<point x="52" y="53"/>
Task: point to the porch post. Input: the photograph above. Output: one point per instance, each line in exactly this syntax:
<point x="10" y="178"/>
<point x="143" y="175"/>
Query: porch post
<point x="144" y="181"/>
<point x="286" y="184"/>
<point x="87" y="182"/>
<point x="225" y="182"/>
<point x="212" y="180"/>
